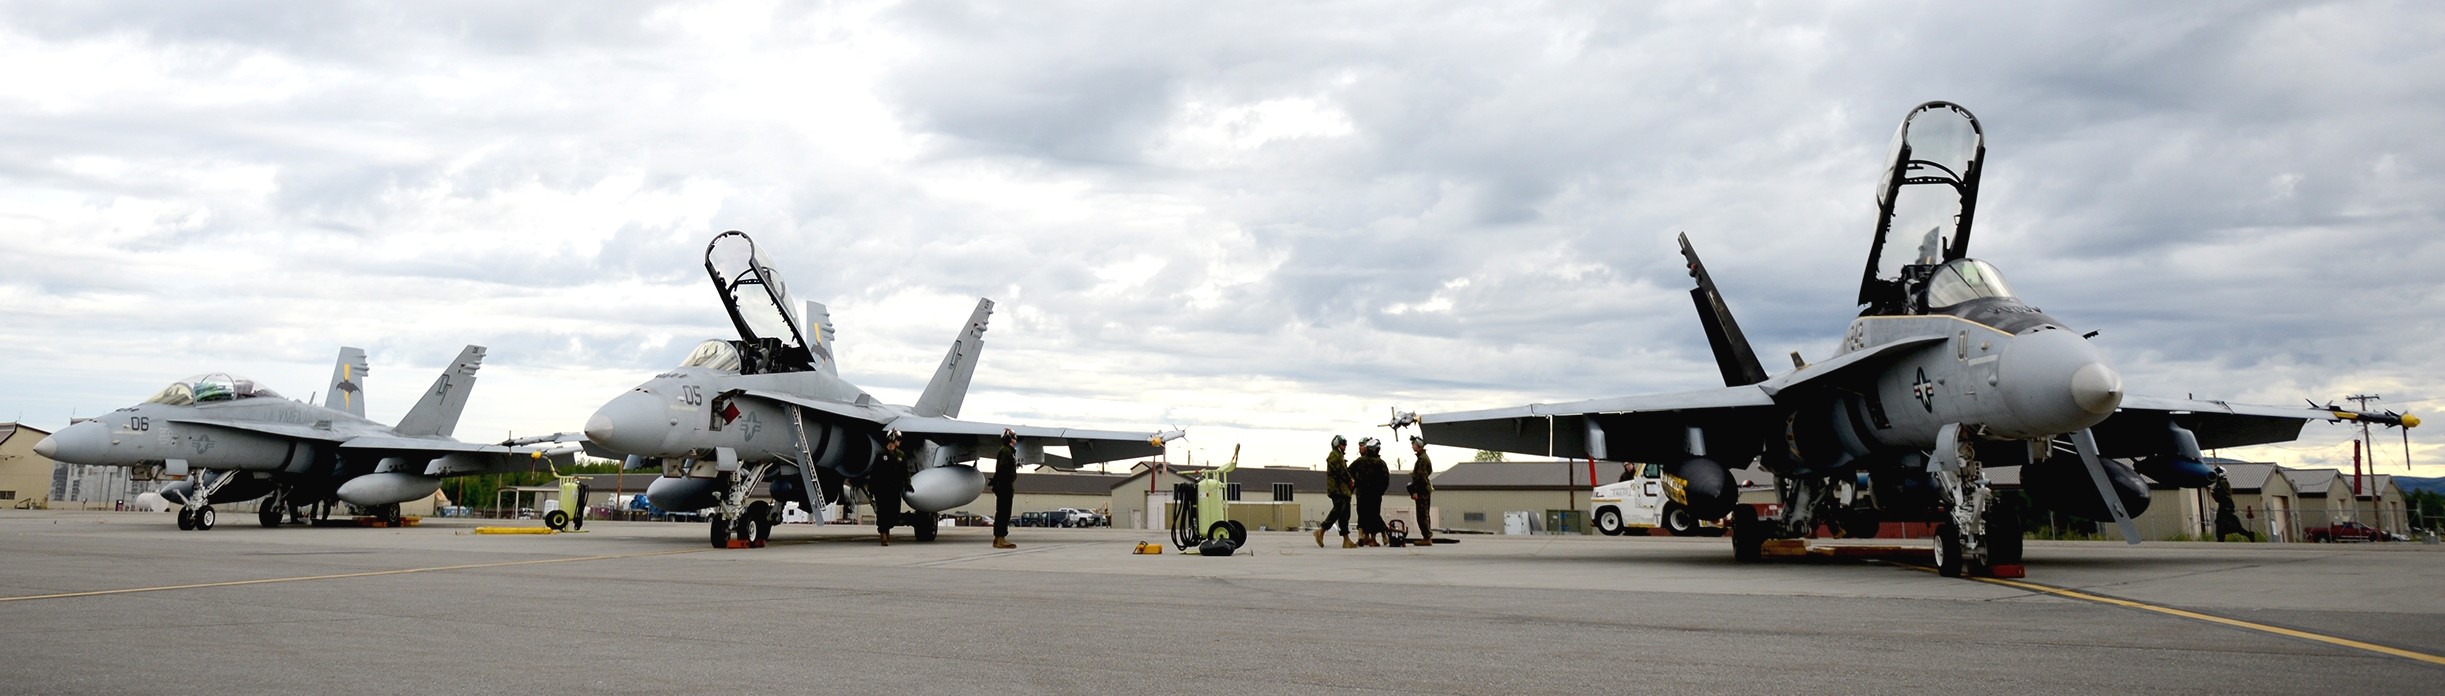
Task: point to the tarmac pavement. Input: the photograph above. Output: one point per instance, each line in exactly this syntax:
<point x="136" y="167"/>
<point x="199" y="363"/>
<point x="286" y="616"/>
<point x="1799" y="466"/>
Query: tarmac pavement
<point x="648" y="608"/>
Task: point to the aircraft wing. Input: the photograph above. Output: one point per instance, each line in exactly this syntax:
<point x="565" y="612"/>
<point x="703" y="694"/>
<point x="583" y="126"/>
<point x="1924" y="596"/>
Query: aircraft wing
<point x="1576" y="429"/>
<point x="284" y="430"/>
<point x="870" y="414"/>
<point x="451" y="457"/>
<point x="1086" y="446"/>
<point x="2139" y="428"/>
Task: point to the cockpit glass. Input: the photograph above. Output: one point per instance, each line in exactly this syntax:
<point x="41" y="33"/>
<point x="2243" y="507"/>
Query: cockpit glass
<point x="1962" y="280"/>
<point x="210" y="388"/>
<point x="713" y="355"/>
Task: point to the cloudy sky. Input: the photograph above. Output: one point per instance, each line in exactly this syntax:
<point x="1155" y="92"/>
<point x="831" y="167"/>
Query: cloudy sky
<point x="1266" y="223"/>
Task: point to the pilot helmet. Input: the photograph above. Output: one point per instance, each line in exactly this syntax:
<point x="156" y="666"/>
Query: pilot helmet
<point x="1370" y="446"/>
<point x="891" y="437"/>
<point x="1340" y="442"/>
<point x="1008" y="436"/>
<point x="1417" y="441"/>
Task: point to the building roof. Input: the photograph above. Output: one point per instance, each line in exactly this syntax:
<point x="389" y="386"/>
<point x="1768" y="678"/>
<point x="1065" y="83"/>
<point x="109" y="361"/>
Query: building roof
<point x="1248" y="477"/>
<point x="9" y="430"/>
<point x="2313" y="483"/>
<point x="1520" y="476"/>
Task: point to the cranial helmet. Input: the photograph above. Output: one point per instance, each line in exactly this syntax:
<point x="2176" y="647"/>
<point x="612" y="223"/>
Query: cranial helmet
<point x="1370" y="446"/>
<point x="1340" y="442"/>
<point x="891" y="436"/>
<point x="1417" y="441"/>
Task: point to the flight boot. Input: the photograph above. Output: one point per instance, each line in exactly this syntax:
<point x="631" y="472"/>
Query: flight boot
<point x="1320" y="537"/>
<point x="1003" y="543"/>
<point x="1347" y="543"/>
<point x="887" y="538"/>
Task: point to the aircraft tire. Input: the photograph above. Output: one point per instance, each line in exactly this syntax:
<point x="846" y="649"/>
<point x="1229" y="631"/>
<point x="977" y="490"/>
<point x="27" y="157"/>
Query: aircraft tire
<point x="2003" y="534"/>
<point x="556" y="519"/>
<point x="204" y="517"/>
<point x="1949" y="562"/>
<point x="1609" y="521"/>
<point x="186" y="519"/>
<point x="1679" y="521"/>
<point x="1748" y="535"/>
<point x="267" y="511"/>
<point x="925" y="524"/>
<point x="721" y="531"/>
<point x="755" y="523"/>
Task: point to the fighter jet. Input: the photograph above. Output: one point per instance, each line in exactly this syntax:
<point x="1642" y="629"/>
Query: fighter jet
<point x="772" y="407"/>
<point x="232" y="439"/>
<point x="1945" y="373"/>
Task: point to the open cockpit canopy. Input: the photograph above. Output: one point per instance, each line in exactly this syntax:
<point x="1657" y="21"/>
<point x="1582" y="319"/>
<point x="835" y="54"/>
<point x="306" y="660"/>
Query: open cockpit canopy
<point x="209" y="388"/>
<point x="759" y="305"/>
<point x="714" y="355"/>
<point x="1924" y="202"/>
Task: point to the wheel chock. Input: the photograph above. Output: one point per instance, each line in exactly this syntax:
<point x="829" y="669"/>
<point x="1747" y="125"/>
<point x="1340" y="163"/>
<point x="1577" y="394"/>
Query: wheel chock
<point x="1148" y="548"/>
<point x="2008" y="570"/>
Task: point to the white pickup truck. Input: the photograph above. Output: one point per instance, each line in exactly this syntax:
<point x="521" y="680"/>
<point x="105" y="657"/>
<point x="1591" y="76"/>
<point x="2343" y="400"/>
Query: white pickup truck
<point x="1640" y="503"/>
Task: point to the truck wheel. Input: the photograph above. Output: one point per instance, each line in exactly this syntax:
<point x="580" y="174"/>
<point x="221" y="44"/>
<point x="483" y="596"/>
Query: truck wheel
<point x="1679" y="521"/>
<point x="1609" y="521"/>
<point x="556" y="519"/>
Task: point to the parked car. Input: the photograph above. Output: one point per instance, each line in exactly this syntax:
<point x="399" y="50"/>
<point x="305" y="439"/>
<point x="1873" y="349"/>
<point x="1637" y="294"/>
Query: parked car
<point x="1030" y="519"/>
<point x="2345" y="531"/>
<point x="1074" y="517"/>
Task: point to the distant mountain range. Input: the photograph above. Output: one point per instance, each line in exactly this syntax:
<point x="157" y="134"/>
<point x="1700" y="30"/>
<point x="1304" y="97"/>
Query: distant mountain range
<point x="2432" y="484"/>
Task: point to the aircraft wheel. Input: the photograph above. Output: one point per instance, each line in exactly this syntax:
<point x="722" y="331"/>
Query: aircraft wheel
<point x="1679" y="521"/>
<point x="1609" y="521"/>
<point x="1748" y="535"/>
<point x="267" y="511"/>
<point x="761" y="515"/>
<point x="721" y="531"/>
<point x="556" y="519"/>
<point x="925" y="525"/>
<point x="186" y="519"/>
<point x="1860" y="524"/>
<point x="1949" y="562"/>
<point x="2003" y="533"/>
<point x="204" y="517"/>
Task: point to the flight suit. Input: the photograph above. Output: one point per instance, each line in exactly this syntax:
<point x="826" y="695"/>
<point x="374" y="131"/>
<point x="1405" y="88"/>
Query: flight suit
<point x="1422" y="489"/>
<point x="1005" y="484"/>
<point x="1369" y="478"/>
<point x="884" y="484"/>
<point x="1336" y="488"/>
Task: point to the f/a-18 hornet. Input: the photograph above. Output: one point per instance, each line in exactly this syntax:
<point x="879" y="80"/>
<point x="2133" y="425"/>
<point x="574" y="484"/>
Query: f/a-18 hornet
<point x="772" y="408"/>
<point x="233" y="439"/>
<point x="1944" y="373"/>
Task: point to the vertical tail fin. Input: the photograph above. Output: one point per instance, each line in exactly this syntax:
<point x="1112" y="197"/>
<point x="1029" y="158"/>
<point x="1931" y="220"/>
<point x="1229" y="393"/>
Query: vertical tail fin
<point x="949" y="387"/>
<point x="348" y="383"/>
<point x="819" y="333"/>
<point x="437" y="413"/>
<point x="1733" y="356"/>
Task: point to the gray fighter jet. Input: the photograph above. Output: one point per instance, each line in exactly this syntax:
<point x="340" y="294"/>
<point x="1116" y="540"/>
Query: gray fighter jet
<point x="771" y="407"/>
<point x="1944" y="373"/>
<point x="232" y="439"/>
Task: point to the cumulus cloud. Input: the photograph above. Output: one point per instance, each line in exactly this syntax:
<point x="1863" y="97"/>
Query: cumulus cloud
<point x="1266" y="224"/>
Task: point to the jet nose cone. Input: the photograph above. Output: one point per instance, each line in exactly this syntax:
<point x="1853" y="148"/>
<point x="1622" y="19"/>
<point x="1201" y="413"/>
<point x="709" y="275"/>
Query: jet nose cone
<point x="598" y="427"/>
<point x="631" y="424"/>
<point x="47" y="447"/>
<point x="2096" y="388"/>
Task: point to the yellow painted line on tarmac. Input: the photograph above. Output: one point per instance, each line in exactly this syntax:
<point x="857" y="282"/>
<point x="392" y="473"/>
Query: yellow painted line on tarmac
<point x="2210" y="618"/>
<point x="340" y="576"/>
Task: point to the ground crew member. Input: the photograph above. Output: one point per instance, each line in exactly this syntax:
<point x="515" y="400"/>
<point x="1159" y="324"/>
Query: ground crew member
<point x="1005" y="479"/>
<point x="1422" y="489"/>
<point x="885" y="484"/>
<point x="1369" y="477"/>
<point x="1337" y="488"/>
